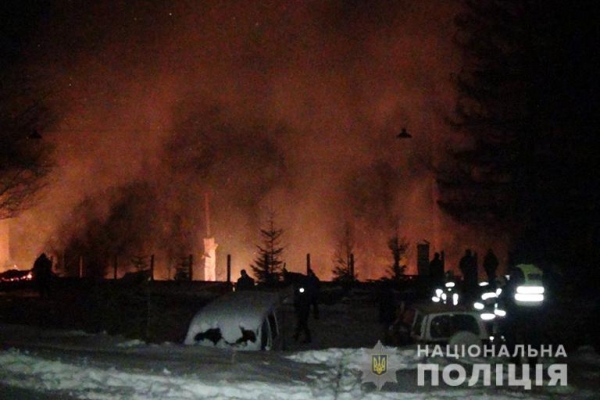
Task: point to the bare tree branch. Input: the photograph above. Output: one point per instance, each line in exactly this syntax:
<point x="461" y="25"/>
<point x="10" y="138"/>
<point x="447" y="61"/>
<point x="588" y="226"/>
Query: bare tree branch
<point x="25" y="161"/>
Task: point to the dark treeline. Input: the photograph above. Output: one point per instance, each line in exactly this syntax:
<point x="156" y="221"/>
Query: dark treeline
<point x="526" y="103"/>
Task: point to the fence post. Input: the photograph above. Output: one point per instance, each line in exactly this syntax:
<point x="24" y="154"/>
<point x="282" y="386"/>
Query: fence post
<point x="307" y="263"/>
<point x="228" y="268"/>
<point x="148" y="308"/>
<point x="191" y="266"/>
<point x="152" y="267"/>
<point x="115" y="264"/>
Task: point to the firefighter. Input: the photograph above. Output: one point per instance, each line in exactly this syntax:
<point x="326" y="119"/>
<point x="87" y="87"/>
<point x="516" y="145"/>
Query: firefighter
<point x="488" y="304"/>
<point x="522" y="298"/>
<point x="448" y="294"/>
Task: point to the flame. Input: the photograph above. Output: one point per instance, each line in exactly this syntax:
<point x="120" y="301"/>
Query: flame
<point x="16" y="275"/>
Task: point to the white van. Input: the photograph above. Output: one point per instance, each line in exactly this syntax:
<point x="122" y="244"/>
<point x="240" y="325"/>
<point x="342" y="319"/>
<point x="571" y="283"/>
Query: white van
<point x="246" y="320"/>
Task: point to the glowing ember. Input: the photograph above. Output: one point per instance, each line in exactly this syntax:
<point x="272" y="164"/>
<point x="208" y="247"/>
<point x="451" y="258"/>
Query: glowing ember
<point x="16" y="275"/>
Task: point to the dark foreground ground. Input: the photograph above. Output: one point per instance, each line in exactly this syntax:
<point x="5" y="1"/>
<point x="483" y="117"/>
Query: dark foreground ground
<point x="161" y="311"/>
<point x="154" y="311"/>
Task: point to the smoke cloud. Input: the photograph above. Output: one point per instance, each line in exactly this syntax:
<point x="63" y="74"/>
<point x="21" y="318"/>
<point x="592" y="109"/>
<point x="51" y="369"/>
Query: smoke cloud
<point x="284" y="106"/>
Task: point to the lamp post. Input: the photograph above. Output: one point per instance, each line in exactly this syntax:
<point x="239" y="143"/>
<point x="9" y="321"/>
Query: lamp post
<point x="432" y="189"/>
<point x="35" y="135"/>
<point x="404" y="134"/>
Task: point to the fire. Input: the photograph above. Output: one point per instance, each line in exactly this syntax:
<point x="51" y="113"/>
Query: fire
<point x="16" y="275"/>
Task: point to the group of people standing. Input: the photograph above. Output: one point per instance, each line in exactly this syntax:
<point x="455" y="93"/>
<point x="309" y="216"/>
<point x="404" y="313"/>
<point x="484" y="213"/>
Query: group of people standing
<point x="306" y="297"/>
<point x="520" y="322"/>
<point x="468" y="267"/>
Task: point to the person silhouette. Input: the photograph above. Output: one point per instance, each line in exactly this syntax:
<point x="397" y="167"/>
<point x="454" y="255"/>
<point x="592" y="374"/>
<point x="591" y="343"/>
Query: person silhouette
<point x="42" y="274"/>
<point x="245" y="282"/>
<point x="468" y="267"/>
<point x="436" y="270"/>
<point x="490" y="265"/>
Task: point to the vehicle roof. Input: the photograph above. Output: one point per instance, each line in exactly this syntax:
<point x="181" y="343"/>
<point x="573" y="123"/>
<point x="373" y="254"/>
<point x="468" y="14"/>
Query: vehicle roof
<point x="248" y="306"/>
<point x="233" y="313"/>
<point x="436" y="308"/>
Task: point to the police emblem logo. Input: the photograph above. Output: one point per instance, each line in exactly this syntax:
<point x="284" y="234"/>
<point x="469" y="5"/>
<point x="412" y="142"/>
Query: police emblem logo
<point x="379" y="364"/>
<point x="379" y="367"/>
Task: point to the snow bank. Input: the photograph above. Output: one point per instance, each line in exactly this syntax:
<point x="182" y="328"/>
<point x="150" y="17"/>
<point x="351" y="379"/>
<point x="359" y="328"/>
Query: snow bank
<point x="99" y="367"/>
<point x="357" y="358"/>
<point x="91" y="382"/>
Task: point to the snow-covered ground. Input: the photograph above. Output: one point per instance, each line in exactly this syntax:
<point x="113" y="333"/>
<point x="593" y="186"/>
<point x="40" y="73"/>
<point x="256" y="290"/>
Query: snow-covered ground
<point x="84" y="366"/>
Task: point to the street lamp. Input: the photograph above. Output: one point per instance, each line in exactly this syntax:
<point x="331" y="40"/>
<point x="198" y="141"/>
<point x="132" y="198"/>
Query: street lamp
<point x="404" y="134"/>
<point x="34" y="135"/>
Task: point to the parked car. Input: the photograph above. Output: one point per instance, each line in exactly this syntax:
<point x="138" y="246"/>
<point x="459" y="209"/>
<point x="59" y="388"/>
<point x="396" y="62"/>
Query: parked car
<point x="247" y="320"/>
<point x="438" y="324"/>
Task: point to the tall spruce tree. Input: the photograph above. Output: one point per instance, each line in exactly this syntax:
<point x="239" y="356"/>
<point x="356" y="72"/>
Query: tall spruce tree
<point x="343" y="258"/>
<point x="267" y="266"/>
<point x="487" y="179"/>
<point x="526" y="105"/>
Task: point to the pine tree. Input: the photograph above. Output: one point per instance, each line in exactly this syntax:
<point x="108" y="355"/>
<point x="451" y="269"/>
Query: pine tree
<point x="139" y="263"/>
<point x="526" y="106"/>
<point x="343" y="258"/>
<point x="487" y="180"/>
<point x="398" y="247"/>
<point x="182" y="269"/>
<point x="267" y="266"/>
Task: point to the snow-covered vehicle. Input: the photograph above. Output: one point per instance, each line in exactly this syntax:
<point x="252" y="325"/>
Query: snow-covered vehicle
<point x="439" y="324"/>
<point x="247" y="320"/>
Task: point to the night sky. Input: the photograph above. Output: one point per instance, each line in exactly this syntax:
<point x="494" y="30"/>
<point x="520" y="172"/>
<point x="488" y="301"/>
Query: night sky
<point x="284" y="106"/>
